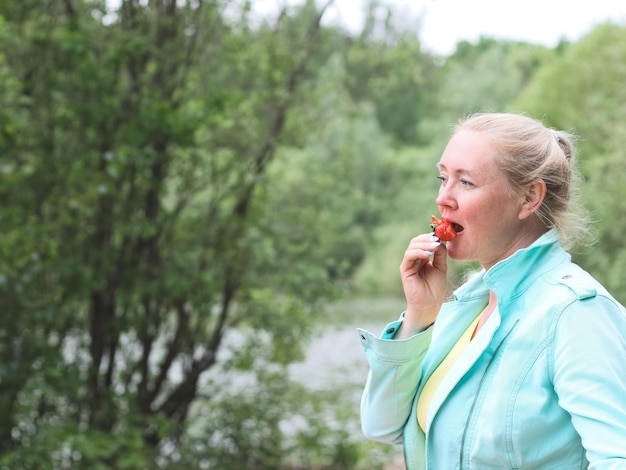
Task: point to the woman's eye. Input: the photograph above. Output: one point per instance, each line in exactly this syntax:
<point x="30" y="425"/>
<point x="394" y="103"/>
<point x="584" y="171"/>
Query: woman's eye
<point x="462" y="181"/>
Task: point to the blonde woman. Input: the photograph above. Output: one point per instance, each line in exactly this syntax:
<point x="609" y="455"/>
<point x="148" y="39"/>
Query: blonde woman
<point x="525" y="368"/>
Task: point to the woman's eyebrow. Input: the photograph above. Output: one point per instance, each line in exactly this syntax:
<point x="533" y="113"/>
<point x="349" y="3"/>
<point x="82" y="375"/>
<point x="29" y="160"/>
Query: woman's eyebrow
<point x="460" y="171"/>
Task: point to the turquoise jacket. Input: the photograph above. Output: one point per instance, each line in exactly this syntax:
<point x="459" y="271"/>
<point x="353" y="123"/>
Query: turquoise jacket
<point x="541" y="386"/>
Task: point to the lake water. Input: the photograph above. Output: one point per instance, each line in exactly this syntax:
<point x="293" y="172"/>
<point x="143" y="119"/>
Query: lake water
<point x="334" y="356"/>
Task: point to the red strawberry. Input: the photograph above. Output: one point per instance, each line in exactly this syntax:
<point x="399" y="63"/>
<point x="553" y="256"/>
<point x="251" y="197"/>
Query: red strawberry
<point x="443" y="229"/>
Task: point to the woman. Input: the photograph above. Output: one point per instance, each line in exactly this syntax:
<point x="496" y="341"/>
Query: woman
<point x="525" y="368"/>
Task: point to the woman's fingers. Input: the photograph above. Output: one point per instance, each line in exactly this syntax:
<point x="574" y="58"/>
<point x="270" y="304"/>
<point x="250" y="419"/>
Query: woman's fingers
<point x="434" y="243"/>
<point x="419" y="251"/>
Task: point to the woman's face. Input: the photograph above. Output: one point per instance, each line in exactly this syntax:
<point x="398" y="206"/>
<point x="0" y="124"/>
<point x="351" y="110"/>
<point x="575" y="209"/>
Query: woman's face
<point x="473" y="196"/>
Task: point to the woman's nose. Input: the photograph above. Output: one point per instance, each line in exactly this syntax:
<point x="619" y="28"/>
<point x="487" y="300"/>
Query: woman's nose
<point x="445" y="197"/>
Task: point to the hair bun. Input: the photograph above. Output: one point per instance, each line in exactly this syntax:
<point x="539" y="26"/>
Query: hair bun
<point x="564" y="142"/>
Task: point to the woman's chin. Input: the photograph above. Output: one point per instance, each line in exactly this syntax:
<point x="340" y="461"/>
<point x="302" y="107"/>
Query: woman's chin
<point x="454" y="252"/>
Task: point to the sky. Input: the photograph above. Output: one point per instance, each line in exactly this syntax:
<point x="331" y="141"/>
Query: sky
<point x="443" y="23"/>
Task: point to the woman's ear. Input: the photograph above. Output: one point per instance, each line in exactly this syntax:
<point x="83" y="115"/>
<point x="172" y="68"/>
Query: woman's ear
<point x="533" y="195"/>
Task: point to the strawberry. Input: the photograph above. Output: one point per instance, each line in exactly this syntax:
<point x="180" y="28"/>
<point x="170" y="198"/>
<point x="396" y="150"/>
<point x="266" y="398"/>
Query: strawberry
<point x="443" y="229"/>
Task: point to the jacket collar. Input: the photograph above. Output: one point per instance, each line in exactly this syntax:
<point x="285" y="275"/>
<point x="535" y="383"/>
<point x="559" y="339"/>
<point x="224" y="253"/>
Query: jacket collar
<point x="512" y="276"/>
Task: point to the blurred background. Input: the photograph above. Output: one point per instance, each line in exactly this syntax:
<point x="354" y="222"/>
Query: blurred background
<point x="202" y="199"/>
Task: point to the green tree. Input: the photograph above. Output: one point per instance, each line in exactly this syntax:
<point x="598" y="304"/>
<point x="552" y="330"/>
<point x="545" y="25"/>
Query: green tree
<point x="157" y="197"/>
<point x="483" y="77"/>
<point x="388" y="68"/>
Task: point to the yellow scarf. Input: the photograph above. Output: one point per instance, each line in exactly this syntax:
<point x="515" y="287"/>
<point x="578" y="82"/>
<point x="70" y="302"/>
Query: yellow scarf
<point x="426" y="397"/>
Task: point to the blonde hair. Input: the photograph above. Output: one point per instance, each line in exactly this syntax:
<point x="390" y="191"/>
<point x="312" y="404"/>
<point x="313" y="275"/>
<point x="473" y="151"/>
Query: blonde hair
<point x="526" y="150"/>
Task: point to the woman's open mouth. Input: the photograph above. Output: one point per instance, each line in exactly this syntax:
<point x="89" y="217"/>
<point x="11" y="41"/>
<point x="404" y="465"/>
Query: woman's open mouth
<point x="457" y="228"/>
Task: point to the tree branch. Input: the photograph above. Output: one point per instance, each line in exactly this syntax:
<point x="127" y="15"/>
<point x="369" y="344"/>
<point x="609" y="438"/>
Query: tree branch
<point x="172" y="350"/>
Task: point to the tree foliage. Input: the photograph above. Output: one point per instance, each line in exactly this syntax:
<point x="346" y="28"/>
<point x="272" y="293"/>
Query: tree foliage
<point x="145" y="220"/>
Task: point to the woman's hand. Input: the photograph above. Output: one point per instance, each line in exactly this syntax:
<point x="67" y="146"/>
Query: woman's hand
<point x="424" y="282"/>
